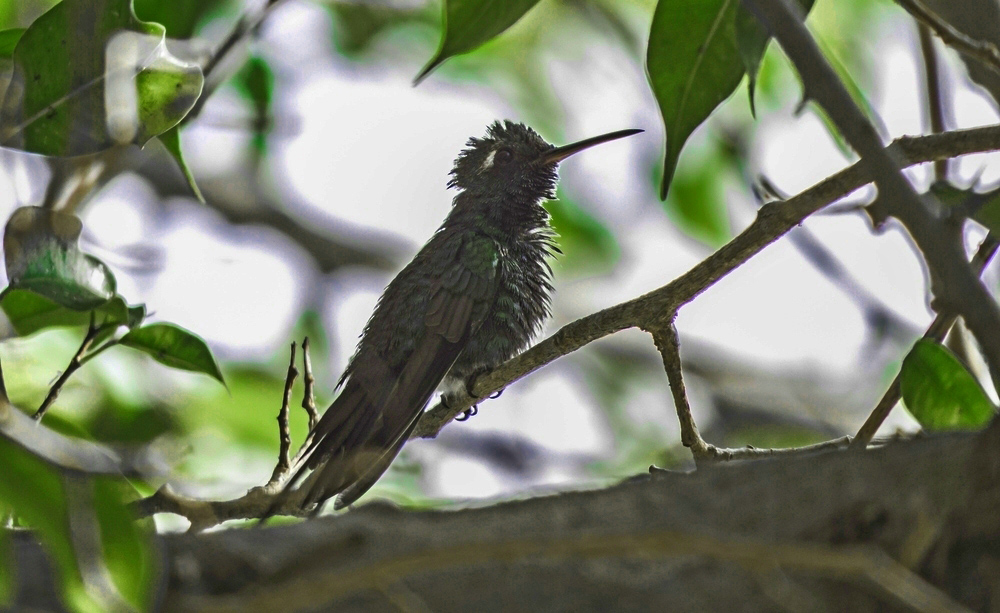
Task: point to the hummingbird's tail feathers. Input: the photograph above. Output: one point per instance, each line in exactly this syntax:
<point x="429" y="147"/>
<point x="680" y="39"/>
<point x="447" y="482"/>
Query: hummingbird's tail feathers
<point x="368" y="451"/>
<point x="374" y="472"/>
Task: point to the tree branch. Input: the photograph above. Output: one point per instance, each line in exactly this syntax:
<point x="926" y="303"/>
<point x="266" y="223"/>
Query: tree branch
<point x="75" y="363"/>
<point x="984" y="51"/>
<point x="936" y="331"/>
<point x="773" y="220"/>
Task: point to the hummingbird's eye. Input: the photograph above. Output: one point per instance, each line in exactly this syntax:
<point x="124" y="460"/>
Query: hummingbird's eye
<point x="503" y="156"/>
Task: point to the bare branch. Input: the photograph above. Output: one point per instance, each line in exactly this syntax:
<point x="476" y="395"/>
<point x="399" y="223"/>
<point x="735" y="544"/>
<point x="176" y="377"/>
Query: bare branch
<point x="773" y="220"/>
<point x="284" y="435"/>
<point x="308" y="395"/>
<point x="938" y="236"/>
<point x="984" y="51"/>
<point x="204" y="514"/>
<point x="935" y="100"/>
<point x="665" y="338"/>
<point x="74" y="364"/>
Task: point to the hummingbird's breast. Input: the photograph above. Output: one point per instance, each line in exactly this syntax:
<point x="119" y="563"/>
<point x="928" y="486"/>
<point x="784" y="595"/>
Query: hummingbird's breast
<point x="519" y="308"/>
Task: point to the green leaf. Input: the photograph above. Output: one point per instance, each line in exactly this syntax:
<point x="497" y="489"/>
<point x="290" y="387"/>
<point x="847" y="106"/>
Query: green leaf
<point x="125" y="543"/>
<point x="175" y="347"/>
<point x="470" y="23"/>
<point x="33" y="489"/>
<point x="171" y="139"/>
<point x="179" y="17"/>
<point x="693" y="65"/>
<point x="585" y="242"/>
<point x="29" y="312"/>
<point x="41" y="255"/>
<point x="751" y="41"/>
<point x="940" y="393"/>
<point x="76" y="57"/>
<point x="697" y="203"/>
<point x="357" y="24"/>
<point x="256" y="82"/>
<point x="8" y="40"/>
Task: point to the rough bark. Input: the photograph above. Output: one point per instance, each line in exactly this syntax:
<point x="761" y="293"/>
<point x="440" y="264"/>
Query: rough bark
<point x="843" y="530"/>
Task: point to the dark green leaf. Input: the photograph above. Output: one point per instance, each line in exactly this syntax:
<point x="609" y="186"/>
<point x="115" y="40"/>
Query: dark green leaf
<point x="357" y="24"/>
<point x="175" y="347"/>
<point x="939" y="392"/>
<point x="693" y="66"/>
<point x="29" y="312"/>
<point x="171" y="139"/>
<point x="470" y="23"/>
<point x="256" y="82"/>
<point x="585" y="242"/>
<point x="125" y="542"/>
<point x="41" y="255"/>
<point x="33" y="489"/>
<point x="751" y="41"/>
<point x="179" y="17"/>
<point x="62" y="80"/>
<point x="8" y="40"/>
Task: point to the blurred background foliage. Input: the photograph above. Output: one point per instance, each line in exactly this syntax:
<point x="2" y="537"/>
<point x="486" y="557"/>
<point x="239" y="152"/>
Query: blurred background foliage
<point x="314" y="268"/>
<point x="220" y="438"/>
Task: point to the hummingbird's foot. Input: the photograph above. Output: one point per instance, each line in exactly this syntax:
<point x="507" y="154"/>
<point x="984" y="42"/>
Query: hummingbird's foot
<point x="497" y="393"/>
<point x="469" y="412"/>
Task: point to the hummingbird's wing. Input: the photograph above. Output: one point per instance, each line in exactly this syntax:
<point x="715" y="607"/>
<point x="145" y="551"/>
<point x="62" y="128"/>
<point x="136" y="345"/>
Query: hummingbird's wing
<point x="363" y="430"/>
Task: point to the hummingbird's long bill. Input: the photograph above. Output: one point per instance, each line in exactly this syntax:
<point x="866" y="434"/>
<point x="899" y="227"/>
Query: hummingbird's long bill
<point x="559" y="154"/>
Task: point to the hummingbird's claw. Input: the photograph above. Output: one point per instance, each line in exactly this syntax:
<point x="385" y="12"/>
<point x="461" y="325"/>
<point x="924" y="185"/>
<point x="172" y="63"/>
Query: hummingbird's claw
<point x="497" y="393"/>
<point x="469" y="412"/>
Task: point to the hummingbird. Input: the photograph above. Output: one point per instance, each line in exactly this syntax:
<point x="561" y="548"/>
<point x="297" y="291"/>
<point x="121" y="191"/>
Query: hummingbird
<point x="474" y="296"/>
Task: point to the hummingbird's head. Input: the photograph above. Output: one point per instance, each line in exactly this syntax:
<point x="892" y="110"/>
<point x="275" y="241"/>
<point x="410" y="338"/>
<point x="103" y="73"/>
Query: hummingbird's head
<point x="513" y="162"/>
<point x="504" y="161"/>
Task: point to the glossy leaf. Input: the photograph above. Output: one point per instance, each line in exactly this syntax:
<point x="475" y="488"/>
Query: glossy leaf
<point x="256" y="82"/>
<point x="8" y="40"/>
<point x="693" y="65"/>
<point x="175" y="347"/>
<point x="751" y="41"/>
<point x="41" y="255"/>
<point x="470" y="23"/>
<point x="88" y="75"/>
<point x="29" y="312"/>
<point x="171" y="139"/>
<point x="940" y="393"/>
<point x="179" y="17"/>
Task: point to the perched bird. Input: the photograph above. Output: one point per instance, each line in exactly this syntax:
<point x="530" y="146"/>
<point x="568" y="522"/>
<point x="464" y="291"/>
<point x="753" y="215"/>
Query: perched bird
<point x="473" y="297"/>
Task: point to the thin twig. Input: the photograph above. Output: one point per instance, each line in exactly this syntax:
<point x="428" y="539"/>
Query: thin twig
<point x="666" y="340"/>
<point x="74" y="364"/>
<point x="773" y="221"/>
<point x="984" y="51"/>
<point x="935" y="100"/>
<point x="246" y="24"/>
<point x="936" y="331"/>
<point x="308" y="395"/>
<point x="284" y="434"/>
